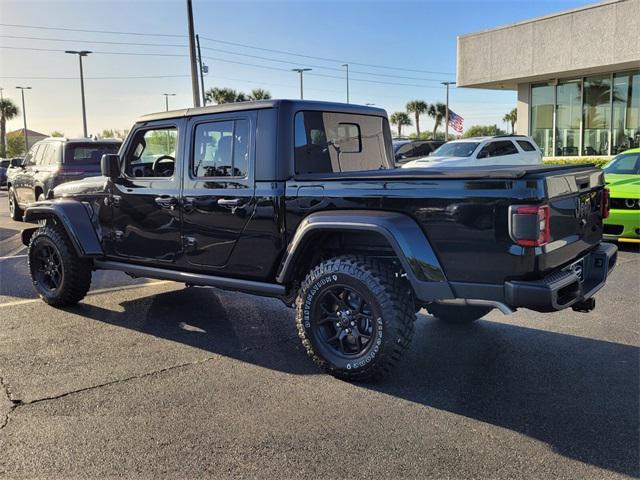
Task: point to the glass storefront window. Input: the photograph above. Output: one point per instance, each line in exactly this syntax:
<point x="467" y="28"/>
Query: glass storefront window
<point x="625" y="132"/>
<point x="597" y="113"/>
<point x="542" y="102"/>
<point x="568" y="113"/>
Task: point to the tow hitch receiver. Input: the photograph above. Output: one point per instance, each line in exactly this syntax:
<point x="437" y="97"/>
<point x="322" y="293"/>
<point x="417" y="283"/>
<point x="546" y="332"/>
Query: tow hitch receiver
<point x="584" y="306"/>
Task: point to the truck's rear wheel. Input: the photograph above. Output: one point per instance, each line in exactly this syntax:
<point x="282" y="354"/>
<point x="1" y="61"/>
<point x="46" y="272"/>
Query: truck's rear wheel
<point x="60" y="277"/>
<point x="355" y="317"/>
<point x="457" y="314"/>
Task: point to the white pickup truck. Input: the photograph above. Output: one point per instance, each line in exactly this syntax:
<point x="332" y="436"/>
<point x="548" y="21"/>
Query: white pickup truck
<point x="482" y="151"/>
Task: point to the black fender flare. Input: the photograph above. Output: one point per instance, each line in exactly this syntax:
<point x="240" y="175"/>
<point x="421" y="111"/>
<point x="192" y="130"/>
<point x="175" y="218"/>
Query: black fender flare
<point x="74" y="217"/>
<point x="405" y="236"/>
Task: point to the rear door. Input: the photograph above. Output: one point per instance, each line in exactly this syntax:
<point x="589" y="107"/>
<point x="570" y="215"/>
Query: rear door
<point x="219" y="188"/>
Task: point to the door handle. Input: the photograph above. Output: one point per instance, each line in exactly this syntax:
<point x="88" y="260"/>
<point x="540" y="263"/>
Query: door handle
<point x="229" y="202"/>
<point x="166" y="201"/>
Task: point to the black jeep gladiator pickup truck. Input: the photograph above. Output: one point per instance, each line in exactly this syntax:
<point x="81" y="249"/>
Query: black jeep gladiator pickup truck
<point x="299" y="200"/>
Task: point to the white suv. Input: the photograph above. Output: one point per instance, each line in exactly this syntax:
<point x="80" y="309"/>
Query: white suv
<point x="482" y="151"/>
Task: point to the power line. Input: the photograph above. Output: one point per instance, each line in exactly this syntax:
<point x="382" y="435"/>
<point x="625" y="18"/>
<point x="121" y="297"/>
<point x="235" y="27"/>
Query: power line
<point x="226" y="42"/>
<point x="49" y="39"/>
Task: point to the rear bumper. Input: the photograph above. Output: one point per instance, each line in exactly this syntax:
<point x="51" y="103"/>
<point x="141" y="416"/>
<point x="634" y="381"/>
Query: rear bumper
<point x="562" y="288"/>
<point x="565" y="287"/>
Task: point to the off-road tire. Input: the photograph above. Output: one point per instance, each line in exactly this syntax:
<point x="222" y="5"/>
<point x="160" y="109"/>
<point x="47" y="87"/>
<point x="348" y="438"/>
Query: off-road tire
<point x="390" y="305"/>
<point x="75" y="271"/>
<point x="458" y="315"/>
<point x="15" y="212"/>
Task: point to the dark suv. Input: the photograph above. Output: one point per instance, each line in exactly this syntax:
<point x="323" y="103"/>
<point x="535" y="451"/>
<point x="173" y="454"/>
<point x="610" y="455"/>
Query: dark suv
<point x="406" y="150"/>
<point x="51" y="162"/>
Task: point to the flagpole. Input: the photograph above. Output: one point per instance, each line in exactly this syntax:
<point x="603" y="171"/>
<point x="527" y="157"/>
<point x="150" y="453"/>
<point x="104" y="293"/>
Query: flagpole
<point x="446" y="117"/>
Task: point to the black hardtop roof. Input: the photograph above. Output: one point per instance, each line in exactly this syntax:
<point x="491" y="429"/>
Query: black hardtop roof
<point x="295" y="105"/>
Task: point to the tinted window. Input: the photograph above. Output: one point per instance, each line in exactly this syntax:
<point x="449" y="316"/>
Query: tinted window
<point x="626" y="164"/>
<point x="498" y="149"/>
<point x="339" y="142"/>
<point x="423" y="149"/>
<point x="456" y="149"/>
<point x="88" y="153"/>
<point x="221" y="149"/>
<point x="152" y="153"/>
<point x="526" y="146"/>
<point x="4" y="163"/>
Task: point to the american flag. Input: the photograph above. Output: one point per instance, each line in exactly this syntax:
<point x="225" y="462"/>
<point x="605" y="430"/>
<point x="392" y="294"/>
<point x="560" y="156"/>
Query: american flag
<point x="456" y="121"/>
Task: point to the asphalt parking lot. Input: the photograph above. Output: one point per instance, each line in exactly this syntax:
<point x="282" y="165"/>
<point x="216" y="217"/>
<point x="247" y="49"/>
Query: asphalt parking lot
<point x="152" y="379"/>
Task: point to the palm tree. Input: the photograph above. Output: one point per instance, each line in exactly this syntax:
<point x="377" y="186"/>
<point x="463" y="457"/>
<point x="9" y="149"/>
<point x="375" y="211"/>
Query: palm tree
<point x="8" y="111"/>
<point x="437" y="111"/>
<point x="400" y="119"/>
<point x="417" y="107"/>
<point x="224" y="95"/>
<point x="512" y="118"/>
<point x="259" y="94"/>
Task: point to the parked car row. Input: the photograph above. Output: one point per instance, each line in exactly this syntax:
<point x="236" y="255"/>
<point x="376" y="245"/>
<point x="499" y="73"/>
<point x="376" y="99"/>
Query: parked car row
<point x="51" y="162"/>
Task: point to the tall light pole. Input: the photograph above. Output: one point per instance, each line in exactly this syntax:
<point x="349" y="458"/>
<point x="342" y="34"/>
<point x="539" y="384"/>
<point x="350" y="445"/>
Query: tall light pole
<point x="346" y="65"/>
<point x="81" y="53"/>
<point x="446" y="115"/>
<point x="192" y="57"/>
<point x="166" y="100"/>
<point x="301" y="72"/>
<point x="24" y="118"/>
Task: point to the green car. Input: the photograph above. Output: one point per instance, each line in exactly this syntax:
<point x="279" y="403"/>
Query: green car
<point x="622" y="175"/>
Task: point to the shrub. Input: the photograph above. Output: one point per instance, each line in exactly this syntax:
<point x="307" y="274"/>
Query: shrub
<point x="597" y="161"/>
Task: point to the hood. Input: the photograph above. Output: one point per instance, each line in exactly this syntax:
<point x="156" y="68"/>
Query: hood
<point x="432" y="161"/>
<point x="623" y="186"/>
<point x="86" y="186"/>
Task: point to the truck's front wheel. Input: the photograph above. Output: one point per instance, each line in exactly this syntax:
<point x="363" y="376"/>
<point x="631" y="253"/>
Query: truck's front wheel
<point x="457" y="314"/>
<point x="355" y="317"/>
<point x="60" y="277"/>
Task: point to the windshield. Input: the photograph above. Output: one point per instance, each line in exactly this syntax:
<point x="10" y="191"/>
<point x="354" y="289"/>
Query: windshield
<point x="624" y="164"/>
<point x="455" y="149"/>
<point x="88" y="153"/>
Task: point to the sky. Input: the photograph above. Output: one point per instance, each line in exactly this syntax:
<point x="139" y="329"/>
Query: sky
<point x="246" y="44"/>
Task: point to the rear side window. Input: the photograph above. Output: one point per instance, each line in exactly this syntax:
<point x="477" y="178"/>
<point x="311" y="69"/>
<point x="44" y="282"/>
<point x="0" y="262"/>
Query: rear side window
<point x="327" y="142"/>
<point x="498" y="149"/>
<point x="221" y="149"/>
<point x="88" y="153"/>
<point x="526" y="146"/>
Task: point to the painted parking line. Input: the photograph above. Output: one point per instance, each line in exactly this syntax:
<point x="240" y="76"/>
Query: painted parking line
<point x="9" y="257"/>
<point x="92" y="292"/>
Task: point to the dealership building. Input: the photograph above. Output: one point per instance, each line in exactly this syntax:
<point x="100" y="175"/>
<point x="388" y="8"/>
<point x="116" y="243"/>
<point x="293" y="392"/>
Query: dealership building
<point x="577" y="74"/>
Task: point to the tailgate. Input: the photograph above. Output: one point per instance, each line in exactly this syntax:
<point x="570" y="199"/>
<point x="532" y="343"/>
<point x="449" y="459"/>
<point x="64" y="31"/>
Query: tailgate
<point x="575" y="200"/>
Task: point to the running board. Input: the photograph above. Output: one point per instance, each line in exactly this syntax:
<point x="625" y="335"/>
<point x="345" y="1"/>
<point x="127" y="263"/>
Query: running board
<point x="249" y="286"/>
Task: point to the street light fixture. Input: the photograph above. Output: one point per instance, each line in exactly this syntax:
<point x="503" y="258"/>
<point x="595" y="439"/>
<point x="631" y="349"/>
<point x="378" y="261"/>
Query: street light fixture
<point x="81" y="53"/>
<point x="301" y="72"/>
<point x="346" y="65"/>
<point x="166" y="99"/>
<point x="24" y="118"/>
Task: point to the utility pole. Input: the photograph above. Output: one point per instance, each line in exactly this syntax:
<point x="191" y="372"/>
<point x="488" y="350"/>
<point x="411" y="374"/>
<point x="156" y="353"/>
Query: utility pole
<point x="301" y="72"/>
<point x="446" y="115"/>
<point x="204" y="100"/>
<point x="192" y="57"/>
<point x="24" y="119"/>
<point x="166" y="100"/>
<point x="81" y="53"/>
<point x="346" y="65"/>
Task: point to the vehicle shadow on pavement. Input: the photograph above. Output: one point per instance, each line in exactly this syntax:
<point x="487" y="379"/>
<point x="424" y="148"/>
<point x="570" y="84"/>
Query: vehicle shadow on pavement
<point x="578" y="395"/>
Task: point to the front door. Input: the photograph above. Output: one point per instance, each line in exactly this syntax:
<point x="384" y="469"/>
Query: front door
<point x="218" y="195"/>
<point x="145" y="199"/>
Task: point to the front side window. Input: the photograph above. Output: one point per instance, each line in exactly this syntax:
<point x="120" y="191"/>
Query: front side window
<point x="221" y="149"/>
<point x="41" y="156"/>
<point x="340" y="142"/>
<point x="152" y="153"/>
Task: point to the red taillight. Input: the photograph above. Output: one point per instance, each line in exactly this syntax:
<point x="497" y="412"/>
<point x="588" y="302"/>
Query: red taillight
<point x="530" y="225"/>
<point x="605" y="203"/>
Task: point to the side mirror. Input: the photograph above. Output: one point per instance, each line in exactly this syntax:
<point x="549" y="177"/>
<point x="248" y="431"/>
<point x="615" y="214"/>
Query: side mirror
<point x="110" y="165"/>
<point x="16" y="162"/>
